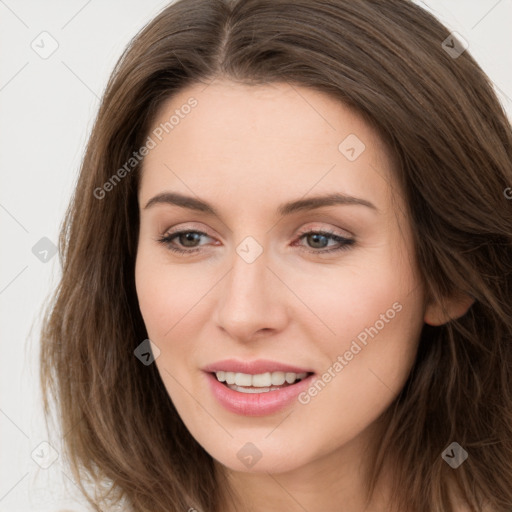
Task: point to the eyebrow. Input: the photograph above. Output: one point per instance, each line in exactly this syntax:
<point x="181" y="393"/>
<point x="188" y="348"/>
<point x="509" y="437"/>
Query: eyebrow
<point x="311" y="203"/>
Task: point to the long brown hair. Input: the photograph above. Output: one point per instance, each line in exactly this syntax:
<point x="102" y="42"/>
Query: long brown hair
<point x="452" y="143"/>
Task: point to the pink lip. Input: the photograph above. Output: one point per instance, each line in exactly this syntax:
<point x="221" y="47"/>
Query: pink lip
<point x="252" y="367"/>
<point x="256" y="404"/>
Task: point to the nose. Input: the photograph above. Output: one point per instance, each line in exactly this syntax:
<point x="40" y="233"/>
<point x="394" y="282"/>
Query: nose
<point x="252" y="300"/>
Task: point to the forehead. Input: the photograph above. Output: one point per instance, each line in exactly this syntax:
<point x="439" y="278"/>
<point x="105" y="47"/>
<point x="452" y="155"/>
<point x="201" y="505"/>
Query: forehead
<point x="257" y="140"/>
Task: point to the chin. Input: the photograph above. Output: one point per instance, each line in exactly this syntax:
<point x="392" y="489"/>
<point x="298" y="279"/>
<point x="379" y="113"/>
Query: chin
<point x="259" y="457"/>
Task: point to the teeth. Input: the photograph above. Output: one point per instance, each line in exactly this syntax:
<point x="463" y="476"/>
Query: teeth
<point x="253" y="390"/>
<point x="260" y="380"/>
<point x="278" y="378"/>
<point x="243" y="379"/>
<point x="290" y="378"/>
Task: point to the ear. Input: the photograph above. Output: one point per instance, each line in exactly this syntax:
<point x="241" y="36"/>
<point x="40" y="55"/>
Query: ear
<point x="452" y="308"/>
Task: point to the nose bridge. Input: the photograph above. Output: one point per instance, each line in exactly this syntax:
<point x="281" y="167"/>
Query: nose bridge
<point x="248" y="276"/>
<point x="250" y="299"/>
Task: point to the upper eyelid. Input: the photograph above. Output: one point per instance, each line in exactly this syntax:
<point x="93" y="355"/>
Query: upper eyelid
<point x="186" y="229"/>
<point x="343" y="232"/>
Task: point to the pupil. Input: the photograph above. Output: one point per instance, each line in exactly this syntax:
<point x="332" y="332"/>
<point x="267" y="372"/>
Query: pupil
<point x="315" y="238"/>
<point x="189" y="237"/>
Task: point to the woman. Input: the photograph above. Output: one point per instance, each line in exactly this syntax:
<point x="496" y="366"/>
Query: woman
<point x="287" y="268"/>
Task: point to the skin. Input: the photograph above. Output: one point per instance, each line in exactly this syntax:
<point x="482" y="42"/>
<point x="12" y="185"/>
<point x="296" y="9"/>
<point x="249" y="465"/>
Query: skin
<point x="246" y="150"/>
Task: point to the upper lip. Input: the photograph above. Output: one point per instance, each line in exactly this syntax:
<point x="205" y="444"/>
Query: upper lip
<point x="253" y="367"/>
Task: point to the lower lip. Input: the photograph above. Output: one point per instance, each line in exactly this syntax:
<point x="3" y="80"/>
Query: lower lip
<point x="256" y="404"/>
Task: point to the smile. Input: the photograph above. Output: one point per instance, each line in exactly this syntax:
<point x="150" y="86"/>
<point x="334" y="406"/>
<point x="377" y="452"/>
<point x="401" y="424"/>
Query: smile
<point x="259" y="383"/>
<point x="256" y="388"/>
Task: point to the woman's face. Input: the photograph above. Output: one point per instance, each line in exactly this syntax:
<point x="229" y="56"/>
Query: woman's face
<point x="244" y="169"/>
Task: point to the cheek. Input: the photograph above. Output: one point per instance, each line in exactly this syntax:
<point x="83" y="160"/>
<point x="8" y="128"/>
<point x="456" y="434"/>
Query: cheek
<point x="166" y="297"/>
<point x="372" y="320"/>
<point x="154" y="304"/>
<point x="377" y="332"/>
<point x="166" y="293"/>
<point x="367" y="365"/>
<point x="338" y="304"/>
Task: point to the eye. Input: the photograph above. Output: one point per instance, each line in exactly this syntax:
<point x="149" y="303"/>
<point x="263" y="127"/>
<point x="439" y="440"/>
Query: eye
<point x="185" y="238"/>
<point x="318" y="239"/>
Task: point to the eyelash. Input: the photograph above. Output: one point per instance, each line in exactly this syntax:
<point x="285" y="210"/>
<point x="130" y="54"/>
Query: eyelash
<point x="346" y="242"/>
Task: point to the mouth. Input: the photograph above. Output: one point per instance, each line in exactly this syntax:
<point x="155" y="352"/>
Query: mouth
<point x="260" y="382"/>
<point x="256" y="388"/>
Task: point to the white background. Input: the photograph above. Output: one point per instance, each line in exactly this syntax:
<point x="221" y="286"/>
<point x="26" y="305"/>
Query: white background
<point x="46" y="111"/>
